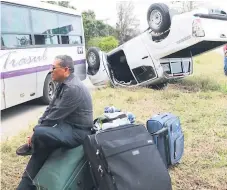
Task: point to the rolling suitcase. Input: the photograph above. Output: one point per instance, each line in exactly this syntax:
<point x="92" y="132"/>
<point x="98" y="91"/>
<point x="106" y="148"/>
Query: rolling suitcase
<point x="168" y="137"/>
<point x="65" y="169"/>
<point x="126" y="158"/>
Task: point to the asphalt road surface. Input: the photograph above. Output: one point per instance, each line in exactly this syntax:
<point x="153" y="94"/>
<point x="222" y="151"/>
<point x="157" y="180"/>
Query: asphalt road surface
<point x="18" y="118"/>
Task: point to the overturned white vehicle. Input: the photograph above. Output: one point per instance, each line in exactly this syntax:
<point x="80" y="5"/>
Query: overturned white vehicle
<point x="161" y="53"/>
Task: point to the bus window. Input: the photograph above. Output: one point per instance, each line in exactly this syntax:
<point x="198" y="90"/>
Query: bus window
<point x="44" y="22"/>
<point x="71" y="39"/>
<point x="2" y="43"/>
<point x="46" y="39"/>
<point x="69" y="25"/>
<point x="15" y="41"/>
<point x="15" y="19"/>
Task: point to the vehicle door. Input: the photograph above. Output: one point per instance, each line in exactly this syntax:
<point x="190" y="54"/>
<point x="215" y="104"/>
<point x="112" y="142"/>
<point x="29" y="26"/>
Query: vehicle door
<point x="139" y="60"/>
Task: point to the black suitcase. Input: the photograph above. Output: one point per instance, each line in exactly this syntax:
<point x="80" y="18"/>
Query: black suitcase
<point x="126" y="158"/>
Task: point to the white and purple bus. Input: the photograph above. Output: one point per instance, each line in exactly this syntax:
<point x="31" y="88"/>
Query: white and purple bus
<point x="32" y="34"/>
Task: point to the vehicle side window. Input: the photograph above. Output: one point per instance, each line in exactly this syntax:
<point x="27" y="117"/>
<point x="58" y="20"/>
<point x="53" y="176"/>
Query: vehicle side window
<point x="26" y="27"/>
<point x="15" y="40"/>
<point x="15" y="19"/>
<point x="71" y="39"/>
<point x="46" y="39"/>
<point x="44" y="22"/>
<point x="45" y="27"/>
<point x="70" y="28"/>
<point x="69" y="25"/>
<point x="15" y="30"/>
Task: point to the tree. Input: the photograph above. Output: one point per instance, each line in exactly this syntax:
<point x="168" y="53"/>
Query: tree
<point x="61" y="3"/>
<point x="89" y="23"/>
<point x="108" y="43"/>
<point x="111" y="31"/>
<point x="104" y="43"/>
<point x="127" y="25"/>
<point x="95" y="28"/>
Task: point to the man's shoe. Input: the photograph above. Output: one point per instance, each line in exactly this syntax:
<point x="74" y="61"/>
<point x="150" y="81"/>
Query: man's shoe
<point x="24" y="150"/>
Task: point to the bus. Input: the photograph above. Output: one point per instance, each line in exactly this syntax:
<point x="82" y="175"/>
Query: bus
<point x="32" y="35"/>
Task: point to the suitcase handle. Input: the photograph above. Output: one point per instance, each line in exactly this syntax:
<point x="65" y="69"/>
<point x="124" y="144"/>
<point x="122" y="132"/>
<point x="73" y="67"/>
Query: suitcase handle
<point x="160" y="131"/>
<point x="164" y="116"/>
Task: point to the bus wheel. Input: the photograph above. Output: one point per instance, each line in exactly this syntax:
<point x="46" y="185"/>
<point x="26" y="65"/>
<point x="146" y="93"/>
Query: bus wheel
<point x="158" y="17"/>
<point x="93" y="60"/>
<point x="48" y="89"/>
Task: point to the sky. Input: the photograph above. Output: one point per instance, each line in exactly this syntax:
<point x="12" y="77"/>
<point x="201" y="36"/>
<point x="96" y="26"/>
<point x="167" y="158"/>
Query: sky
<point x="106" y="9"/>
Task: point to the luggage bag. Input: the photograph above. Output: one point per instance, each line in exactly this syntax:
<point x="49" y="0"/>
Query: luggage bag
<point x="126" y="158"/>
<point x="168" y="137"/>
<point x="65" y="169"/>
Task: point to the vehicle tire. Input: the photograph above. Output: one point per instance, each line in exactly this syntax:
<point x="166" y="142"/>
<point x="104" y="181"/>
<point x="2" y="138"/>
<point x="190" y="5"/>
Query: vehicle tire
<point x="48" y="90"/>
<point x="158" y="17"/>
<point x="93" y="60"/>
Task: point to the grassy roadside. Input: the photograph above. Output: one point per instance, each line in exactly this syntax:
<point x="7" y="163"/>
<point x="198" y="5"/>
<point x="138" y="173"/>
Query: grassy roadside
<point x="200" y="101"/>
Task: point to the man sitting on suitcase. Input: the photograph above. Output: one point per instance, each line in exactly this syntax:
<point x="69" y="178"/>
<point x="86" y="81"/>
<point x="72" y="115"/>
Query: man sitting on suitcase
<point x="65" y="123"/>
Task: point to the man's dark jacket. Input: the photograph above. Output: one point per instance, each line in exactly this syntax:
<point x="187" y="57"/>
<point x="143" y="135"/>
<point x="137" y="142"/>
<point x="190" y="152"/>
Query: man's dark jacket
<point x="72" y="103"/>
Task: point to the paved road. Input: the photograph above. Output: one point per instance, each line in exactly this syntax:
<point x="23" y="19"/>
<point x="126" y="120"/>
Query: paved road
<point x="18" y="118"/>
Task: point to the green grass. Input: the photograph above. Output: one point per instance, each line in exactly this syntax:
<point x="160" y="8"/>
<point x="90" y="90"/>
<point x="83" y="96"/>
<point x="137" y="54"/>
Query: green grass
<point x="200" y="101"/>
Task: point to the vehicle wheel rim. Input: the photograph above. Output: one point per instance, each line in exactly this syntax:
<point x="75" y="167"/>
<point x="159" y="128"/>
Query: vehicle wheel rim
<point x="155" y="19"/>
<point x="92" y="58"/>
<point x="51" y="90"/>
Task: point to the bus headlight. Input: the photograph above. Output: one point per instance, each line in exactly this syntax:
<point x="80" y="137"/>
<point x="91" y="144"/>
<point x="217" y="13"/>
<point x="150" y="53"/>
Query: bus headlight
<point x="197" y="29"/>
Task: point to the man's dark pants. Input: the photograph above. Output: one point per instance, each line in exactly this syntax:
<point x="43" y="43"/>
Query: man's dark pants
<point x="45" y="140"/>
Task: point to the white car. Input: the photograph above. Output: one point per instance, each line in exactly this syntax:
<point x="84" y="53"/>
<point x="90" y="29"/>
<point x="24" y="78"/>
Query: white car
<point x="161" y="53"/>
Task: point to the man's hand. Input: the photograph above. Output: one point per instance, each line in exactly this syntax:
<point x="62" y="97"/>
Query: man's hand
<point x="29" y="139"/>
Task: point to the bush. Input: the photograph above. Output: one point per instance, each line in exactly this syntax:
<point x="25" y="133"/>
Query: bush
<point x="104" y="43"/>
<point x="198" y="83"/>
<point x="94" y="42"/>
